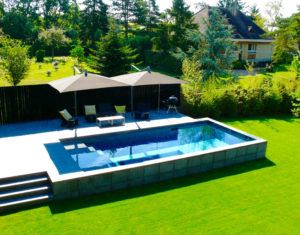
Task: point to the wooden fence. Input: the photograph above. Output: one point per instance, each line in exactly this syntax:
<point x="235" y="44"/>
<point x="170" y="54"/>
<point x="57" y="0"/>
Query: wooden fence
<point x="41" y="102"/>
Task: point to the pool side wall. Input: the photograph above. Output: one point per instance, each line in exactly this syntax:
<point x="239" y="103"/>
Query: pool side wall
<point x="156" y="170"/>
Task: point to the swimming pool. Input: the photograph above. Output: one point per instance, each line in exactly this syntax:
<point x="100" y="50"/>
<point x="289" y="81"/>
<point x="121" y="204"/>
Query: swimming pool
<point x="127" y="158"/>
<point x="144" y="145"/>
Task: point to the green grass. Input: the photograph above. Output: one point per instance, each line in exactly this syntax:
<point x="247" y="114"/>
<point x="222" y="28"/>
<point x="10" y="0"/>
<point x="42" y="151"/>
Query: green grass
<point x="257" y="197"/>
<point x="280" y="72"/>
<point x="38" y="75"/>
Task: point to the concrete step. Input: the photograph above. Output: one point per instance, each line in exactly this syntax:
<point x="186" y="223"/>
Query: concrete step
<point x="22" y="193"/>
<point x="22" y="177"/>
<point x="24" y="202"/>
<point x="30" y="182"/>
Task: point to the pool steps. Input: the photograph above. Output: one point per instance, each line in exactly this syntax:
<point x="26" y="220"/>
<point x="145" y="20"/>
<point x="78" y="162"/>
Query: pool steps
<point x="24" y="191"/>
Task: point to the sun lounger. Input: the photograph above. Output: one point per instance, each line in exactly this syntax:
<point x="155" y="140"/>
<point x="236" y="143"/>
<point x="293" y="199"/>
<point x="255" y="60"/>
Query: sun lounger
<point x="121" y="109"/>
<point x="90" y="113"/>
<point x="67" y="119"/>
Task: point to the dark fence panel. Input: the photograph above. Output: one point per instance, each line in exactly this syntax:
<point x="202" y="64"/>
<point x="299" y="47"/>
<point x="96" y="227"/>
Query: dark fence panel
<point x="41" y="102"/>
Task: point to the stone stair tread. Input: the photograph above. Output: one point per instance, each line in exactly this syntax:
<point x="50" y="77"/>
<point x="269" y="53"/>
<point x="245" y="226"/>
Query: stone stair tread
<point x="22" y="191"/>
<point x="24" y="181"/>
<point x="24" y="200"/>
<point x="22" y="177"/>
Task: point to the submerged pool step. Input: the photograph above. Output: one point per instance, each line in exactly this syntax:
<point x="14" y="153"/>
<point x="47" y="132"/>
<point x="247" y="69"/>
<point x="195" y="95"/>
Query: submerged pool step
<point x="24" y="190"/>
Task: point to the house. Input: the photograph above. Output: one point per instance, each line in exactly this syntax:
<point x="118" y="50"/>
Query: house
<point x="251" y="44"/>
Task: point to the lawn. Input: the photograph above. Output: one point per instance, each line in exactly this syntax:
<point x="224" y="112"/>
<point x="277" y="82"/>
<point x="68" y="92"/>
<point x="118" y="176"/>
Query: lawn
<point x="262" y="196"/>
<point x="37" y="75"/>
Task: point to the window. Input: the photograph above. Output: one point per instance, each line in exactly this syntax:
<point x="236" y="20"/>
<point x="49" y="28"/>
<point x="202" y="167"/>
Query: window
<point x="252" y="47"/>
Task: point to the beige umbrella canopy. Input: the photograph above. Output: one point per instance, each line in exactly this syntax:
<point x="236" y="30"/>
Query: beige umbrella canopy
<point x="145" y="78"/>
<point x="82" y="82"/>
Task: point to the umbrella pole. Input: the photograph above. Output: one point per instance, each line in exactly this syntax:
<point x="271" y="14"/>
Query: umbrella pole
<point x="158" y="102"/>
<point x="75" y="102"/>
<point x="131" y="101"/>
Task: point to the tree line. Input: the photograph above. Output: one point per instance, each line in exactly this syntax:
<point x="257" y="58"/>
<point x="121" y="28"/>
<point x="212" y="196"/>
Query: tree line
<point x="136" y="31"/>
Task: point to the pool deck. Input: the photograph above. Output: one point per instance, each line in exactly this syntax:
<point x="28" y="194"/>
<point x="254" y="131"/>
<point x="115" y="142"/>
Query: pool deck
<point x="22" y="145"/>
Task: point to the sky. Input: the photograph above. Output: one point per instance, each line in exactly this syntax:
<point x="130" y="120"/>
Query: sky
<point x="289" y="6"/>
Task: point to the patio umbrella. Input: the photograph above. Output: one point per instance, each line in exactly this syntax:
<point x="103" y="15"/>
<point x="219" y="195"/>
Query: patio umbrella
<point x="145" y="78"/>
<point x="81" y="82"/>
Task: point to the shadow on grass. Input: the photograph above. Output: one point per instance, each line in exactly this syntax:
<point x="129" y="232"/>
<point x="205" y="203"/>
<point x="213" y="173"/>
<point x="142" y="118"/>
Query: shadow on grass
<point x="108" y="197"/>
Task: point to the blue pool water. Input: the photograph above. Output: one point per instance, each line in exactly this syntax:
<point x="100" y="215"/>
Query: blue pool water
<point x="143" y="145"/>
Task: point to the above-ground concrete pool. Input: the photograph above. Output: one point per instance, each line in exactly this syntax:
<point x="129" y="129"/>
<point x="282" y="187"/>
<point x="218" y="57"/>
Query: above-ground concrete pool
<point x="111" y="161"/>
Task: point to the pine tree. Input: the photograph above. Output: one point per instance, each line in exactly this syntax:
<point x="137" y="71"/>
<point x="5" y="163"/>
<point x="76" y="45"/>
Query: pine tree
<point x="139" y="12"/>
<point x="229" y="4"/>
<point x="213" y="49"/>
<point x="124" y="12"/>
<point x="182" y="18"/>
<point x="153" y="14"/>
<point x="94" y="21"/>
<point x="112" y="57"/>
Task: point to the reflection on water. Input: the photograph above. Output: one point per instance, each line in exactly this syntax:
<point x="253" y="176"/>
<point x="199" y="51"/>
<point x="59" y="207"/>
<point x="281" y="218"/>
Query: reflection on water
<point x="133" y="147"/>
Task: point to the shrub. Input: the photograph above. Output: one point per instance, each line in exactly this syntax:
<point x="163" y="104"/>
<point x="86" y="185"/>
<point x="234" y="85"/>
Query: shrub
<point x="261" y="95"/>
<point x="229" y="104"/>
<point x="271" y="100"/>
<point x="238" y="64"/>
<point x="249" y="67"/>
<point x="55" y="63"/>
<point x="63" y="60"/>
<point x="77" y="53"/>
<point x="286" y="101"/>
<point x="141" y="44"/>
<point x="49" y="73"/>
<point x="163" y="61"/>
<point x="40" y="54"/>
<point x="249" y="102"/>
<point x="296" y="104"/>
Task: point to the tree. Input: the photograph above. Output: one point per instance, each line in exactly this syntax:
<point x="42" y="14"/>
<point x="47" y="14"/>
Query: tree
<point x="112" y="57"/>
<point x="140" y="12"/>
<point x="29" y="9"/>
<point x="17" y="26"/>
<point x="1" y="9"/>
<point x="153" y="14"/>
<point x="257" y="18"/>
<point x="213" y="49"/>
<point x="182" y="19"/>
<point x="54" y="37"/>
<point x="124" y="12"/>
<point x="94" y="21"/>
<point x="287" y="36"/>
<point x="229" y="4"/>
<point x="77" y="53"/>
<point x="15" y="62"/>
<point x="273" y="10"/>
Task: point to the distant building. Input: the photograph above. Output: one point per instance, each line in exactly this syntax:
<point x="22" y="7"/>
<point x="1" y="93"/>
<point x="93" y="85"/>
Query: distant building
<point x="251" y="45"/>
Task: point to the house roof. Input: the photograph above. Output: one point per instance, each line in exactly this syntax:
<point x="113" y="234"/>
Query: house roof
<point x="243" y="27"/>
